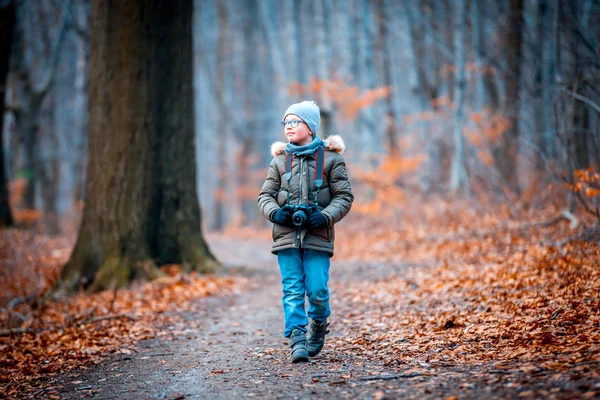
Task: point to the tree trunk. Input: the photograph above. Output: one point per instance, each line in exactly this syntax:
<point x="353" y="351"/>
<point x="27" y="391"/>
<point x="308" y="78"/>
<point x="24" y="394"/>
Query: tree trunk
<point x="458" y="176"/>
<point x="477" y="43"/>
<point x="249" y="143"/>
<point x="548" y="91"/>
<point x="244" y="172"/>
<point x="62" y="144"/>
<point x="81" y="14"/>
<point x="49" y="168"/>
<point x="422" y="88"/>
<point x="141" y="207"/>
<point x="7" y="23"/>
<point x="391" y="124"/>
<point x="223" y="117"/>
<point x="367" y="81"/>
<point x="507" y="157"/>
<point x="36" y="60"/>
<point x="447" y="30"/>
<point x="300" y="72"/>
<point x="26" y="121"/>
<point x="340" y="51"/>
<point x="539" y="105"/>
<point x="580" y="132"/>
<point x="320" y="51"/>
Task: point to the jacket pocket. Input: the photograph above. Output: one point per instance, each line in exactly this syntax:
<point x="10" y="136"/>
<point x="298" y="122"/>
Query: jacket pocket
<point x="324" y="233"/>
<point x="281" y="231"/>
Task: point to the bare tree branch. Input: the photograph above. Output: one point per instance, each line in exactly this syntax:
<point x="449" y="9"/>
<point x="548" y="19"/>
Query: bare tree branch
<point x="582" y="98"/>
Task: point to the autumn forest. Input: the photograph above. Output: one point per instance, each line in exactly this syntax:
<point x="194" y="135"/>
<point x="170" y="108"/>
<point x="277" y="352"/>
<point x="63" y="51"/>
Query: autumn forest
<point x="136" y="136"/>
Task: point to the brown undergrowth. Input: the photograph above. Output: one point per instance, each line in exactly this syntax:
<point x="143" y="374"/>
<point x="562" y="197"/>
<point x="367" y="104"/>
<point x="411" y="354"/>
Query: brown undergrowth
<point x="38" y="341"/>
<point x="515" y="296"/>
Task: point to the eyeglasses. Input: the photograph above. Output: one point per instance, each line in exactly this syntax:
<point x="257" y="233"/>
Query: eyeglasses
<point x="292" y="123"/>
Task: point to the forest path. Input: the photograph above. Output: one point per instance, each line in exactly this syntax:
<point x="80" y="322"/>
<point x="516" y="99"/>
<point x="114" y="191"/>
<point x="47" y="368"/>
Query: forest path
<point x="234" y="349"/>
<point x="238" y="351"/>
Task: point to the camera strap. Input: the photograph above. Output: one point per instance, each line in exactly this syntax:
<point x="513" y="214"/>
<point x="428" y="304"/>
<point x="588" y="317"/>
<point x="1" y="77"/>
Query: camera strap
<point x="320" y="155"/>
<point x="319" y="158"/>
<point x="287" y="173"/>
<point x="287" y="168"/>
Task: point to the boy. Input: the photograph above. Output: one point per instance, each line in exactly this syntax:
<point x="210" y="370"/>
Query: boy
<point x="306" y="192"/>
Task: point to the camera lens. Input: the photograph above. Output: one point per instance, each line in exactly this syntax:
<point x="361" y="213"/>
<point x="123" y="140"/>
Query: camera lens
<point x="298" y="218"/>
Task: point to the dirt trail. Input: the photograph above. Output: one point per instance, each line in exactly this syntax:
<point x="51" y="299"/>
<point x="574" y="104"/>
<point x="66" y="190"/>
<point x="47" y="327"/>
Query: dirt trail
<point x="238" y="351"/>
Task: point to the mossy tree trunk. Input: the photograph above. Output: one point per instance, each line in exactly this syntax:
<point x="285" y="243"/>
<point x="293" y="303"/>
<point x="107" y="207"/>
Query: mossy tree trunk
<point x="141" y="207"/>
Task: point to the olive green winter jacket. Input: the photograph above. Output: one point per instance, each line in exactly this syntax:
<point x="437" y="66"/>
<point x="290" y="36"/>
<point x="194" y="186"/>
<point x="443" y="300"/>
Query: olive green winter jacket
<point x="334" y="198"/>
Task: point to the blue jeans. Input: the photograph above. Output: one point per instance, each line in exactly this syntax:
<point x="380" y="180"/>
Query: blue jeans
<point x="304" y="272"/>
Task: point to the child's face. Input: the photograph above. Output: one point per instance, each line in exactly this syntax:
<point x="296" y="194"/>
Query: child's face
<point x="299" y="135"/>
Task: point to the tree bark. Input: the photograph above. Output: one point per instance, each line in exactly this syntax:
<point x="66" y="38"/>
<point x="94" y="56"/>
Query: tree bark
<point x="421" y="88"/>
<point x="367" y="81"/>
<point x="49" y="170"/>
<point x="81" y="12"/>
<point x="320" y="49"/>
<point x="540" y="106"/>
<point x="458" y="176"/>
<point x="507" y="157"/>
<point x="580" y="134"/>
<point x="391" y="124"/>
<point x="36" y="63"/>
<point x="426" y="88"/>
<point x="300" y="71"/>
<point x="477" y="43"/>
<point x="7" y="23"/>
<point x="251" y="145"/>
<point x="141" y="207"/>
<point x="222" y="125"/>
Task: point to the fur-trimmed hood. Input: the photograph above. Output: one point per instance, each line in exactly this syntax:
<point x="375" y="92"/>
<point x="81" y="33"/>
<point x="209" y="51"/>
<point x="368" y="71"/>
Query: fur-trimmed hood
<point x="332" y="143"/>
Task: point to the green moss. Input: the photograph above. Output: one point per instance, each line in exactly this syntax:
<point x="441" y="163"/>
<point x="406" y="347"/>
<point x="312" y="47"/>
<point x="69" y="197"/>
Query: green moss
<point x="119" y="269"/>
<point x="113" y="272"/>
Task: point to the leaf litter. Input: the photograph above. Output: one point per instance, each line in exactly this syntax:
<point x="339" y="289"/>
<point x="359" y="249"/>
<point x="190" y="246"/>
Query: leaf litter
<point x="445" y="290"/>
<point x="507" y="299"/>
<point x="78" y="331"/>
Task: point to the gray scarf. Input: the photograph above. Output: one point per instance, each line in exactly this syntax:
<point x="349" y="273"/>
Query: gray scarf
<point x="306" y="149"/>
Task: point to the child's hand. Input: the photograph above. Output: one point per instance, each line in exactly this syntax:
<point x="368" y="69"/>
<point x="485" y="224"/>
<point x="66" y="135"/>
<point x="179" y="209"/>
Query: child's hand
<point x="283" y="216"/>
<point x="316" y="220"/>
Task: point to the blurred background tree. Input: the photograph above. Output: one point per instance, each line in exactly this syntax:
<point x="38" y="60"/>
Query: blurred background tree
<point x="7" y="23"/>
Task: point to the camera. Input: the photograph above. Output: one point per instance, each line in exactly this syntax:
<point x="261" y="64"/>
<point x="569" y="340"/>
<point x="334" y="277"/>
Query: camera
<point x="301" y="213"/>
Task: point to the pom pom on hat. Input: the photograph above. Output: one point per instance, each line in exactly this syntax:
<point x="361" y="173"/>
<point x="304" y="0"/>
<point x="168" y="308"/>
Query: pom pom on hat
<point x="309" y="112"/>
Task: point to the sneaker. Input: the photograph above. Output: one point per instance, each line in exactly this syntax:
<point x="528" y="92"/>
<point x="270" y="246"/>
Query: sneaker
<point x="316" y="337"/>
<point x="298" y="352"/>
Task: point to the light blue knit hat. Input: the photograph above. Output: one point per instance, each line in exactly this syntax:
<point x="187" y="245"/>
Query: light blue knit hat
<point x="309" y="112"/>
